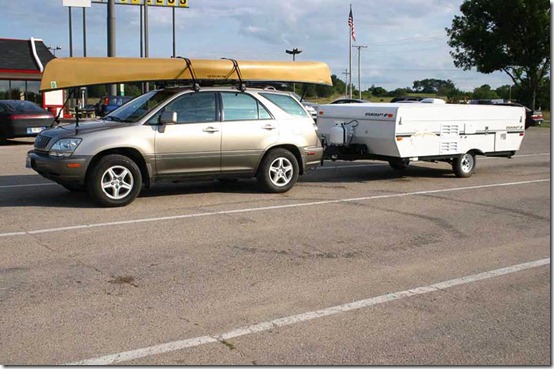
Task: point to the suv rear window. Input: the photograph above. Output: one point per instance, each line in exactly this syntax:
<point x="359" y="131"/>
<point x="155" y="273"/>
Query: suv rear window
<point x="287" y="103"/>
<point x="241" y="106"/>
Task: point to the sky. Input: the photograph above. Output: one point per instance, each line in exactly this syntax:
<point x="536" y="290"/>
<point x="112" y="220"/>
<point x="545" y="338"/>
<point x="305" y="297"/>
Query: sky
<point x="406" y="39"/>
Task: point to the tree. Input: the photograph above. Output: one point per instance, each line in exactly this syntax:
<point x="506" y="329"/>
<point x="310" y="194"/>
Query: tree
<point x="512" y="36"/>
<point x="378" y="91"/>
<point x="484" y="93"/>
<point x="430" y="86"/>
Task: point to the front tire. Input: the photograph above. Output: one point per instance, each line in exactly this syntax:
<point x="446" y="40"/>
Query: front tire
<point x="464" y="165"/>
<point x="278" y="171"/>
<point x="114" y="181"/>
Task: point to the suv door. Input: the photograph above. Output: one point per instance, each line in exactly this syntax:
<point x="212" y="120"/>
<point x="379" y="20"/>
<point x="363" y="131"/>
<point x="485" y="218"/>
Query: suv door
<point x="193" y="144"/>
<point x="248" y="129"/>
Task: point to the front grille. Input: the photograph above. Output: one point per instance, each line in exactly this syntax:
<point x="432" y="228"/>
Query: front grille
<point x="41" y="141"/>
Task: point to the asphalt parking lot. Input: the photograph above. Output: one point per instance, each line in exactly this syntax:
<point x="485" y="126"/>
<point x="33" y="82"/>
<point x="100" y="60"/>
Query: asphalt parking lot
<point x="356" y="265"/>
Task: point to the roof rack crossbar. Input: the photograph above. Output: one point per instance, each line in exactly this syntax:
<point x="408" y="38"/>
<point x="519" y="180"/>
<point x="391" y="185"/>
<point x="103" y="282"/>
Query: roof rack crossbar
<point x="236" y="69"/>
<point x="195" y="83"/>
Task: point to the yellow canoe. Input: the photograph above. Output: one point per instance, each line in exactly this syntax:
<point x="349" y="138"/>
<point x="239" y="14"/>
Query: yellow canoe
<point x="62" y="73"/>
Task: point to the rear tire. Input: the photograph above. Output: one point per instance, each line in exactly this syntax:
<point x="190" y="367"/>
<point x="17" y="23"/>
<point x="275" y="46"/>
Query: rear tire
<point x="464" y="165"/>
<point x="278" y="171"/>
<point x="114" y="181"/>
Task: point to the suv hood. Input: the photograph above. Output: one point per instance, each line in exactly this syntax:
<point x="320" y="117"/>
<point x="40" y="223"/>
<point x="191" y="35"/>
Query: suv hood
<point x="70" y="130"/>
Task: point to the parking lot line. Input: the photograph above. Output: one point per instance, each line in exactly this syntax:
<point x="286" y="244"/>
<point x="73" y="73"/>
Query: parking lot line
<point x="29" y="185"/>
<point x="265" y="208"/>
<point x="295" y="319"/>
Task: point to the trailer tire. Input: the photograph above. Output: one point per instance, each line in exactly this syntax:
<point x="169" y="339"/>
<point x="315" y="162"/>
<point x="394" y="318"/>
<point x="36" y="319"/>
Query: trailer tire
<point x="464" y="165"/>
<point x="278" y="171"/>
<point x="399" y="164"/>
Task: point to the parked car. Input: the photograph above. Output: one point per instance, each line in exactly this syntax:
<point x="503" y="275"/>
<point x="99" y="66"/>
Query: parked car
<point x="20" y="118"/>
<point x="345" y="100"/>
<point x="109" y="103"/>
<point x="179" y="133"/>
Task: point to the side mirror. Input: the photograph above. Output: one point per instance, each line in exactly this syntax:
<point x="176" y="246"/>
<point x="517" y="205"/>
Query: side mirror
<point x="168" y="117"/>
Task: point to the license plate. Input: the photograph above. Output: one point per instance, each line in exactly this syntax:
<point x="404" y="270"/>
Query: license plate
<point x="28" y="162"/>
<point x="32" y="130"/>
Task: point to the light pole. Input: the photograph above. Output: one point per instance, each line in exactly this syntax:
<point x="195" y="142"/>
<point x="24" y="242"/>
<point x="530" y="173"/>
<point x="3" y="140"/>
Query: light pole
<point x="293" y="52"/>
<point x="346" y="83"/>
<point x="54" y="49"/>
<point x="359" y="47"/>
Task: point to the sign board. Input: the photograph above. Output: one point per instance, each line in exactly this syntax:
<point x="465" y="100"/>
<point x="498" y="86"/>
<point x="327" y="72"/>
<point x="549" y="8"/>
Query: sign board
<point x="77" y="3"/>
<point x="166" y="3"/>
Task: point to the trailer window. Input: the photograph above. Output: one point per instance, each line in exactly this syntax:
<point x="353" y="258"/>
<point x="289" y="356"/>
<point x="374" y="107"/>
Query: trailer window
<point x="287" y="103"/>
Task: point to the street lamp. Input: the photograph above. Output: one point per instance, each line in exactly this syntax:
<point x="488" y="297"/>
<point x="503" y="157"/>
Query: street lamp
<point x="293" y="52"/>
<point x="57" y="47"/>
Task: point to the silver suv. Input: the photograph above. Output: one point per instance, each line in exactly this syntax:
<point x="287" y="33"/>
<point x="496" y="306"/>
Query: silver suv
<point x="181" y="133"/>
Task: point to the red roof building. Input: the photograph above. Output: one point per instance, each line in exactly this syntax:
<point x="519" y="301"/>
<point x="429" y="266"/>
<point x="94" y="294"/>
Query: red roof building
<point x="21" y="66"/>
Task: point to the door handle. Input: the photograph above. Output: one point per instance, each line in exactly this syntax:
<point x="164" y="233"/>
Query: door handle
<point x="269" y="127"/>
<point x="210" y="130"/>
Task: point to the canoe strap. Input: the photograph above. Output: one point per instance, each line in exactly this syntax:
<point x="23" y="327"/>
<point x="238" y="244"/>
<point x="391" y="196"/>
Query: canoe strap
<point x="236" y="69"/>
<point x="195" y="83"/>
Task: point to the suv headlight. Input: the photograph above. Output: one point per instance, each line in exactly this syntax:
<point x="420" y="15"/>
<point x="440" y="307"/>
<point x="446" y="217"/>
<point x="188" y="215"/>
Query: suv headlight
<point x="64" y="147"/>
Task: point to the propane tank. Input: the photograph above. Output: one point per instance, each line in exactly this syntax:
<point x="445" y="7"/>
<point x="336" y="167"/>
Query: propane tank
<point x="338" y="135"/>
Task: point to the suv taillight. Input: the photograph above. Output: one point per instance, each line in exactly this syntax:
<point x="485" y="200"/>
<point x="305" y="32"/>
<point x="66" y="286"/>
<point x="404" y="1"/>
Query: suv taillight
<point x="106" y="101"/>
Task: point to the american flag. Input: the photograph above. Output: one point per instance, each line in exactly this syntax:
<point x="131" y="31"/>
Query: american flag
<point x="351" y="24"/>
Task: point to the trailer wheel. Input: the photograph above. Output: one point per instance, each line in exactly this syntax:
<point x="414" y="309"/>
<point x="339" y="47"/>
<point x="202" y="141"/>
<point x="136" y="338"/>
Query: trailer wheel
<point x="464" y="165"/>
<point x="399" y="164"/>
<point x="278" y="171"/>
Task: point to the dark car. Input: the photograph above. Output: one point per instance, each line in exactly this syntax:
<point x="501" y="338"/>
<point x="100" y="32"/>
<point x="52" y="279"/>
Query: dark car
<point x="109" y="103"/>
<point x="407" y="98"/>
<point x="348" y="101"/>
<point x="20" y="118"/>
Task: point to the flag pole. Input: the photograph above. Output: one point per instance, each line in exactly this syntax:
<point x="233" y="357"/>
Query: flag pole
<point x="350" y="57"/>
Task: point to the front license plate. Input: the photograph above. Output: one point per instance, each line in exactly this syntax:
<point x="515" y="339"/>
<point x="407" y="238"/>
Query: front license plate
<point x="28" y="162"/>
<point x="32" y="130"/>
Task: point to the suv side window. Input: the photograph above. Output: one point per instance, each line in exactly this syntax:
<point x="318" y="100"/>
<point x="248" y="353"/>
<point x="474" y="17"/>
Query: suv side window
<point x="194" y="107"/>
<point x="241" y="106"/>
<point x="287" y="103"/>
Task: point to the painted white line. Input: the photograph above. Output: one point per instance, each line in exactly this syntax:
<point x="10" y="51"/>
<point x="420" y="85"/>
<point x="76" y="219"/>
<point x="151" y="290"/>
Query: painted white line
<point x="29" y="185"/>
<point x="300" y="318"/>
<point x="264" y="208"/>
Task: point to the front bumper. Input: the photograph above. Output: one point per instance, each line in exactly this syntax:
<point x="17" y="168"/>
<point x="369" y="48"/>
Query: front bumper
<point x="63" y="170"/>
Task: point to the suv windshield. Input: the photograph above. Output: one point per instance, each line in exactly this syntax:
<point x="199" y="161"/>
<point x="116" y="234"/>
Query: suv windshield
<point x="136" y="109"/>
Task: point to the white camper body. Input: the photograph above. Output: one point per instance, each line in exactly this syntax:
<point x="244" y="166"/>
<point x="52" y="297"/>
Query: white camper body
<point x="402" y="132"/>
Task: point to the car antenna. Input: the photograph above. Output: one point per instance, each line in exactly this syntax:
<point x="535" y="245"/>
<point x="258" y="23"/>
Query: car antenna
<point x="304" y="91"/>
<point x="76" y="115"/>
<point x="57" y="117"/>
